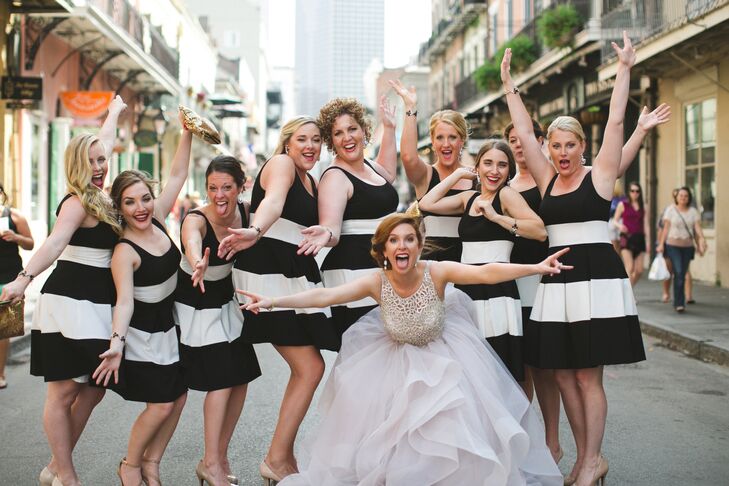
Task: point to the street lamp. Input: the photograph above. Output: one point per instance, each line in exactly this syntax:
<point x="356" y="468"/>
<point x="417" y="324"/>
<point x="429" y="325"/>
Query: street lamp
<point x="160" y="124"/>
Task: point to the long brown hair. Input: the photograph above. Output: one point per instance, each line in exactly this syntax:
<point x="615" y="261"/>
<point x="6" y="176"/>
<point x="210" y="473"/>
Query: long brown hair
<point x="385" y="228"/>
<point x="126" y="179"/>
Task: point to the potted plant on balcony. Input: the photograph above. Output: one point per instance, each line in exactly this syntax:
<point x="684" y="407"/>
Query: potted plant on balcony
<point x="557" y="26"/>
<point x="523" y="54"/>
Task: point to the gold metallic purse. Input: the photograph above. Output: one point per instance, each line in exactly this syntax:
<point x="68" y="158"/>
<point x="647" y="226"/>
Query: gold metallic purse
<point x="199" y="126"/>
<point x="11" y="319"/>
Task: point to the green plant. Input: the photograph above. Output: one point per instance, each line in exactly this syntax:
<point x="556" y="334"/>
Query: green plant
<point x="557" y="26"/>
<point x="523" y="54"/>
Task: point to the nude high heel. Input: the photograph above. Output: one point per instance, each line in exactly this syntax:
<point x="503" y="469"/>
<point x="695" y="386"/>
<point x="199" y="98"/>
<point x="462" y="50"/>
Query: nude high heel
<point x="601" y="472"/>
<point x="46" y="477"/>
<point x="151" y="480"/>
<point x="203" y="475"/>
<point x="124" y="463"/>
<point x="269" y="477"/>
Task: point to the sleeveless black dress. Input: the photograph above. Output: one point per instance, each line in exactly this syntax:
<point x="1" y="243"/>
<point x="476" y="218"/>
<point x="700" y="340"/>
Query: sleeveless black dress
<point x="497" y="305"/>
<point x="10" y="261"/>
<point x="72" y="318"/>
<point x="584" y="317"/>
<point x="271" y="267"/>
<point x="528" y="252"/>
<point x="441" y="232"/>
<point x="351" y="258"/>
<point x="212" y="352"/>
<point x="151" y="371"/>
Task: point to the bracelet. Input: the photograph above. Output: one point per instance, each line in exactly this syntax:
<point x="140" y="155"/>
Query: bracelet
<point x="515" y="90"/>
<point x="273" y="304"/>
<point x="23" y="273"/>
<point x="331" y="235"/>
<point x="411" y="113"/>
<point x="117" y="335"/>
<point x="514" y="228"/>
<point x="258" y="230"/>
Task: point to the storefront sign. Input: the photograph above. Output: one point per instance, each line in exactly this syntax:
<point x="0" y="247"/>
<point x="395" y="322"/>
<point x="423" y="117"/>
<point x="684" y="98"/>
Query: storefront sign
<point x="22" y="88"/>
<point x="86" y="104"/>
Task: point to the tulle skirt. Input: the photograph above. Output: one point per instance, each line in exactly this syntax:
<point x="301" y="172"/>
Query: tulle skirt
<point x="446" y="413"/>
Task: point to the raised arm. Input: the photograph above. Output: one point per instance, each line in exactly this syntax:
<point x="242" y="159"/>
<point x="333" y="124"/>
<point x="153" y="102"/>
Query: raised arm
<point x="436" y="201"/>
<point x="367" y="286"/>
<point x="536" y="161"/>
<point x="334" y="192"/>
<point x="386" y="162"/>
<point x="416" y="170"/>
<point x="276" y="180"/>
<point x="70" y="217"/>
<point x="107" y="133"/>
<point x="606" y="165"/>
<point x="646" y="122"/>
<point x="519" y="216"/>
<point x="178" y="175"/>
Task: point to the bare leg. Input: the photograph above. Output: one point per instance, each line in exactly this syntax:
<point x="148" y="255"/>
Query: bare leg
<point x="627" y="257"/>
<point x="57" y="422"/>
<point x="232" y="414"/>
<point x="214" y="410"/>
<point x="575" y="410"/>
<point x="4" y="345"/>
<point x="156" y="449"/>
<point x="666" y="296"/>
<point x="638" y="268"/>
<point x="307" y="369"/>
<point x="548" y="397"/>
<point x="595" y="412"/>
<point x="528" y="384"/>
<point x="144" y="430"/>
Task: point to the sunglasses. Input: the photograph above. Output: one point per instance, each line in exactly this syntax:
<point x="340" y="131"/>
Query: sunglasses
<point x="635" y="190"/>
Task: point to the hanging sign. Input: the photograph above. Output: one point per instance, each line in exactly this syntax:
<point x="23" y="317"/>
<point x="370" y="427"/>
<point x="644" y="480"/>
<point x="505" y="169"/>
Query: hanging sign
<point x="22" y="88"/>
<point x="86" y="104"/>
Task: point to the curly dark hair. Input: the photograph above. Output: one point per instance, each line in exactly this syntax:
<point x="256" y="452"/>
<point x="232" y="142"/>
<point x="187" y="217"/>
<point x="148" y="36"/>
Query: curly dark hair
<point x="342" y="106"/>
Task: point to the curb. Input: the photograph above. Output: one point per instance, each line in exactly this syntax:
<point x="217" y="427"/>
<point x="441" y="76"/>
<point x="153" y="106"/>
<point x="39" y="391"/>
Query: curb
<point x="687" y="344"/>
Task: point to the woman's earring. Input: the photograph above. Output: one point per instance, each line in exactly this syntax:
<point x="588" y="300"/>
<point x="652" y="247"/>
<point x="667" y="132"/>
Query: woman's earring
<point x="478" y="179"/>
<point x="582" y="159"/>
<point x="286" y="149"/>
<point x="241" y="198"/>
<point x="384" y="264"/>
<point x="460" y="154"/>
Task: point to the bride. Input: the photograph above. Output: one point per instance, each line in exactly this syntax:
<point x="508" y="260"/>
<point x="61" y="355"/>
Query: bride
<point x="416" y="396"/>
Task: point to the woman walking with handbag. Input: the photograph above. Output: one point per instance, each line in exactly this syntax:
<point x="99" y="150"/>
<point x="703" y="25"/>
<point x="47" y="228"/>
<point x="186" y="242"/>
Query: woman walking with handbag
<point x="633" y="230"/>
<point x="681" y="229"/>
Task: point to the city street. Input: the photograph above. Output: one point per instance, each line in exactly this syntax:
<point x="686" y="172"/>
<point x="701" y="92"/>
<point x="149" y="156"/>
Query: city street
<point x="667" y="424"/>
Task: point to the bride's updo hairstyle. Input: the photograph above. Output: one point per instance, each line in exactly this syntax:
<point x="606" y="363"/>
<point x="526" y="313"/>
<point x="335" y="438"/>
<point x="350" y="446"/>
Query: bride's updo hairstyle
<point x="382" y="233"/>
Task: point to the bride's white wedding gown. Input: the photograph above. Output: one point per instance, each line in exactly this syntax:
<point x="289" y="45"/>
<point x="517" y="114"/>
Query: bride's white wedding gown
<point x="417" y="397"/>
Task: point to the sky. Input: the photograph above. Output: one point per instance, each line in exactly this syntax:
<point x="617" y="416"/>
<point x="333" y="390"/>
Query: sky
<point x="407" y="25"/>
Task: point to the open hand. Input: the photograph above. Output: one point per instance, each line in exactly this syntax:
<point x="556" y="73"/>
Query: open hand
<point x="256" y="303"/>
<point x="315" y="238"/>
<point x="117" y="105"/>
<point x="239" y="239"/>
<point x="659" y="116"/>
<point x="198" y="272"/>
<point x="408" y="95"/>
<point x="626" y="55"/>
<point x="506" y="70"/>
<point x="551" y="265"/>
<point x="10" y="236"/>
<point x="111" y="360"/>
<point x="387" y="112"/>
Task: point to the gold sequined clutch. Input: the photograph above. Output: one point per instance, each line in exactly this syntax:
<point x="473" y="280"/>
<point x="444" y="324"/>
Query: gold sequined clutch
<point x="199" y="126"/>
<point x="11" y="319"/>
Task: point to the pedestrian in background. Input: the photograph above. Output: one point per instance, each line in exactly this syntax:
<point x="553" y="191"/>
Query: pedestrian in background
<point x="666" y="284"/>
<point x="632" y="224"/>
<point x="72" y="318"/>
<point x="14" y="234"/>
<point x="681" y="238"/>
<point x="618" y="197"/>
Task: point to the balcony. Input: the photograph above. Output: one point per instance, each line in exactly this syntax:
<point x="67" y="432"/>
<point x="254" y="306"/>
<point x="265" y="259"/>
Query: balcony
<point x="460" y="15"/>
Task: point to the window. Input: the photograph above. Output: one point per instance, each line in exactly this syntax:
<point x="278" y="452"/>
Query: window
<point x="700" y="162"/>
<point x="494" y="34"/>
<point x="527" y="11"/>
<point x="509" y="18"/>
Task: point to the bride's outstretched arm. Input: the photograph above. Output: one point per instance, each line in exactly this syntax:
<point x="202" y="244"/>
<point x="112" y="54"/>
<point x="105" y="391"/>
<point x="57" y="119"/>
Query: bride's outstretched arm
<point x="493" y="273"/>
<point x="367" y="286"/>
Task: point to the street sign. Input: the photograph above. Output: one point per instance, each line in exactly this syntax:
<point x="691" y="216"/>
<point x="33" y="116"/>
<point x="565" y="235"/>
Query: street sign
<point x="22" y="88"/>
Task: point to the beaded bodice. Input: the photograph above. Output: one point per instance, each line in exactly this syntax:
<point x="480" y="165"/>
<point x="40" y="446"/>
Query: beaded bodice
<point x="416" y="319"/>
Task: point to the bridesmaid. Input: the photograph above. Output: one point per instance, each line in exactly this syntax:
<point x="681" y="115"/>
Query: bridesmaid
<point x="214" y="356"/>
<point x="72" y="319"/>
<point x="490" y="222"/>
<point x="448" y="135"/>
<point x="143" y="350"/>
<point x="283" y="204"/>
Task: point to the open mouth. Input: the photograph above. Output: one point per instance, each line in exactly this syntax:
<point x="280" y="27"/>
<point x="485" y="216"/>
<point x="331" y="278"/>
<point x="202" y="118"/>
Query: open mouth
<point x="308" y="156"/>
<point x="350" y="147"/>
<point x="564" y="164"/>
<point x="221" y="207"/>
<point x="141" y="217"/>
<point x="98" y="180"/>
<point x="447" y="153"/>
<point x="402" y="261"/>
<point x="493" y="179"/>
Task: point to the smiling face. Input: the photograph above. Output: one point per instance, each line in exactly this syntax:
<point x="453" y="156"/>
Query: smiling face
<point x="565" y="150"/>
<point x="99" y="164"/>
<point x="683" y="199"/>
<point x="447" y="144"/>
<point x="222" y="193"/>
<point x="137" y="206"/>
<point x="402" y="248"/>
<point x="493" y="170"/>
<point x="304" y="146"/>
<point x="348" y="138"/>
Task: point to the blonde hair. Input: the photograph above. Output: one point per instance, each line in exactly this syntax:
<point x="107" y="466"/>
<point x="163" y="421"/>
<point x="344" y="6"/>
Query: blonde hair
<point x="566" y="124"/>
<point x="78" y="181"/>
<point x="289" y="129"/>
<point x="385" y="228"/>
<point x="452" y="118"/>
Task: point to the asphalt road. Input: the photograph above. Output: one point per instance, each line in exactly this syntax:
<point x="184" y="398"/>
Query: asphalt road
<point x="668" y="424"/>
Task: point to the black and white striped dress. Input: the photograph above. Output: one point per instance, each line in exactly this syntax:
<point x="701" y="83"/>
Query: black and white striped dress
<point x="72" y="318"/>
<point x="212" y="352"/>
<point x="497" y="305"/>
<point x="587" y="316"/>
<point x="271" y="267"/>
<point x="151" y="371"/>
<point x="441" y="232"/>
<point x="351" y="258"/>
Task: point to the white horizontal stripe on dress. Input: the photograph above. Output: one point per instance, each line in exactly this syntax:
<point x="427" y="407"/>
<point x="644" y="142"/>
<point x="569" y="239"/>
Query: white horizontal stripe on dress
<point x="152" y="294"/>
<point x="75" y="319"/>
<point x="333" y="278"/>
<point x="582" y="233"/>
<point x="212" y="273"/>
<point x="360" y="226"/>
<point x="93" y="257"/>
<point x="284" y="230"/>
<point x="276" y="285"/>
<point x="475" y="252"/>
<point x="528" y="289"/>
<point x="499" y="316"/>
<point x="203" y="327"/>
<point x="158" y="347"/>
<point x="582" y="301"/>
<point x="441" y="226"/>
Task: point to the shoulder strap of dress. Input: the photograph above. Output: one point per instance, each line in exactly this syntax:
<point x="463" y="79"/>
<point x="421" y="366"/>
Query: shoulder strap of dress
<point x="550" y="185"/>
<point x="243" y="215"/>
<point x="313" y="183"/>
<point x="470" y="202"/>
<point x="134" y="246"/>
<point x="65" y="198"/>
